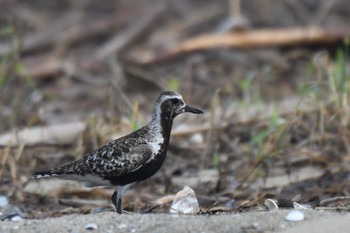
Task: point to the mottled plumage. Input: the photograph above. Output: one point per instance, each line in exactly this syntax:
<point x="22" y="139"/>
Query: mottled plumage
<point x="129" y="159"/>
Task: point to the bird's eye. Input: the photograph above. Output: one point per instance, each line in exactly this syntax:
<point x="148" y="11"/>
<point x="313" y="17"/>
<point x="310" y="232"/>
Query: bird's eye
<point x="175" y="101"/>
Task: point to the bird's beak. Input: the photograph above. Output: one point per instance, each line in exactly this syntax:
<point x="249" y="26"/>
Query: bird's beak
<point x="188" y="108"/>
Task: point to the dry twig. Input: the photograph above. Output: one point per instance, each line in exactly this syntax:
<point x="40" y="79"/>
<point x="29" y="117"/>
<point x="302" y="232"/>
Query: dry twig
<point x="253" y="39"/>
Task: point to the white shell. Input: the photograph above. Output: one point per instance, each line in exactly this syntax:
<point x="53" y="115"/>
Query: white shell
<point x="298" y="206"/>
<point x="90" y="226"/>
<point x="271" y="204"/>
<point x="295" y="216"/>
<point x="185" y="202"/>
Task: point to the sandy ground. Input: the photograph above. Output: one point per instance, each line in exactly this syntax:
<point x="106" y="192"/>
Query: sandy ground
<point x="273" y="221"/>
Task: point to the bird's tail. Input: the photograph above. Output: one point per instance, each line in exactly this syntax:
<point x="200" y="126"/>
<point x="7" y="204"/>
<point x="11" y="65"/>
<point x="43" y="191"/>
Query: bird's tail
<point x="55" y="172"/>
<point x="47" y="173"/>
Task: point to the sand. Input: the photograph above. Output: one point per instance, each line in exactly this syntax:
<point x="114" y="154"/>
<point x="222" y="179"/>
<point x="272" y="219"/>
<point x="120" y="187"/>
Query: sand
<point x="272" y="221"/>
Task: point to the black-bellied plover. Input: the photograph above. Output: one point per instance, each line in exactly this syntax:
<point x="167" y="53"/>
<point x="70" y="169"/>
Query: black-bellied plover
<point x="129" y="159"/>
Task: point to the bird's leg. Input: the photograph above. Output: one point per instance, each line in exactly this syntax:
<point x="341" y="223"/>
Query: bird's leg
<point x="117" y="201"/>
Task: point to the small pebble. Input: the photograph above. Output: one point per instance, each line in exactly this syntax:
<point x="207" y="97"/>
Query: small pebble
<point x="122" y="226"/>
<point x="295" y="216"/>
<point x="90" y="226"/>
<point x="16" y="218"/>
<point x="197" y="138"/>
<point x="230" y="204"/>
<point x="3" y="202"/>
<point x="282" y="226"/>
<point x="255" y="225"/>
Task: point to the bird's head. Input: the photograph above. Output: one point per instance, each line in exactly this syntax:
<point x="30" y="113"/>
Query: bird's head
<point x="171" y="104"/>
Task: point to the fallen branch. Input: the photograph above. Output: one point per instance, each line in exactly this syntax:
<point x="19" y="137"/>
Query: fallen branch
<point x="253" y="39"/>
<point x="60" y="134"/>
<point x="40" y="68"/>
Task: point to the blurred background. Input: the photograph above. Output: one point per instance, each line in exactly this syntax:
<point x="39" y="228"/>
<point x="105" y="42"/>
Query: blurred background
<point x="271" y="76"/>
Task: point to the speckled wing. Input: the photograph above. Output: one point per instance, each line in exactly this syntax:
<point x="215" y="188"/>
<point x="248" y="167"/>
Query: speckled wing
<point x="113" y="160"/>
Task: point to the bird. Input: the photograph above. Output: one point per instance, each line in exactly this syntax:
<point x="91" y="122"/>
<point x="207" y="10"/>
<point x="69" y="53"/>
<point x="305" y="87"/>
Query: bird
<point x="127" y="160"/>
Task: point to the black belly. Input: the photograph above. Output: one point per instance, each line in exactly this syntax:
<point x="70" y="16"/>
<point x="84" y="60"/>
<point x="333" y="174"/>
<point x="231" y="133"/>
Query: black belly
<point x="143" y="173"/>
